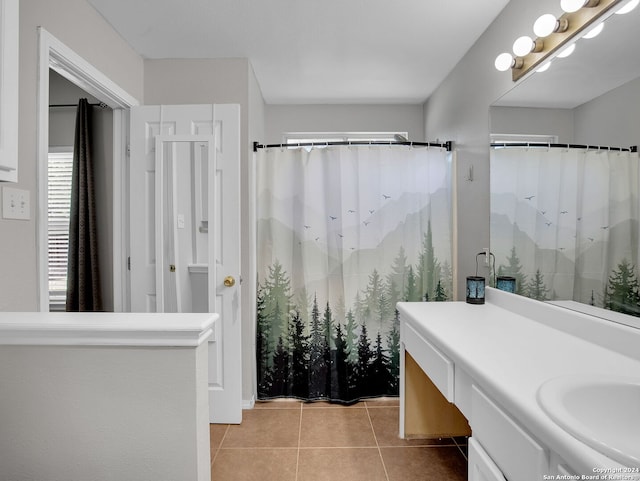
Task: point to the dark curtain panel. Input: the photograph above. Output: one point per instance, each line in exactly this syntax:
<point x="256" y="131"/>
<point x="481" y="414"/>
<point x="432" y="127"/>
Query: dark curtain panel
<point x="83" y="278"/>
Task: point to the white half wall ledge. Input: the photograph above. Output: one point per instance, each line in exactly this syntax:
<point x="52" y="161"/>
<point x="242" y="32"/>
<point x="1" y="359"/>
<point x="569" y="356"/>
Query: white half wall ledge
<point x="106" y="329"/>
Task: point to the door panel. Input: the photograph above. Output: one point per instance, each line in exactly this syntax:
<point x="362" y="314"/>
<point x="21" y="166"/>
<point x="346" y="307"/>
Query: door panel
<point x="220" y="232"/>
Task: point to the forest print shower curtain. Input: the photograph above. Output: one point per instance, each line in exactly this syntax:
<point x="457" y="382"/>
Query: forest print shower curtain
<point x="566" y="224"/>
<point x="344" y="233"/>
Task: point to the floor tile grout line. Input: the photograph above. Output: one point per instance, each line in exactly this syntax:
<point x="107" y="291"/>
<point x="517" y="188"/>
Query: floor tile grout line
<point x="220" y="445"/>
<point x="299" y="437"/>
<point x="384" y="467"/>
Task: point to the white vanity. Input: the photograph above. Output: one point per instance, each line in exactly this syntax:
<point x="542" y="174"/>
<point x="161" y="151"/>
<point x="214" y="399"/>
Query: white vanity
<point x="104" y="396"/>
<point x="512" y="363"/>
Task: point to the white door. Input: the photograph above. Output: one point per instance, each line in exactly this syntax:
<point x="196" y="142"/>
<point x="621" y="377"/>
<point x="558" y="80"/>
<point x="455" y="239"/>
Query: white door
<point x="218" y="126"/>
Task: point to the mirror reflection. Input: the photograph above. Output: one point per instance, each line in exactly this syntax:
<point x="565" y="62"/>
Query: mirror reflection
<point x="183" y="218"/>
<point x="565" y="219"/>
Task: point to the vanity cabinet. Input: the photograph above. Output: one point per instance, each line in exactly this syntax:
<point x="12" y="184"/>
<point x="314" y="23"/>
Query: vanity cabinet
<point x="428" y="391"/>
<point x="449" y="368"/>
<point x="481" y="466"/>
<point x="517" y="454"/>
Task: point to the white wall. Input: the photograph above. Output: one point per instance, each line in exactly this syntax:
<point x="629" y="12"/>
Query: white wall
<point x="80" y="27"/>
<point x="459" y="111"/>
<point x="344" y="118"/>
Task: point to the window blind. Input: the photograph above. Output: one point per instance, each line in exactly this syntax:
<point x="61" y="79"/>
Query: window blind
<point x="59" y="208"/>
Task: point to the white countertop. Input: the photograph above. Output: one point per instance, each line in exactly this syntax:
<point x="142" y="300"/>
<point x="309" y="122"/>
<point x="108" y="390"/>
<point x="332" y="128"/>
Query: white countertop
<point x="510" y="356"/>
<point x="105" y="328"/>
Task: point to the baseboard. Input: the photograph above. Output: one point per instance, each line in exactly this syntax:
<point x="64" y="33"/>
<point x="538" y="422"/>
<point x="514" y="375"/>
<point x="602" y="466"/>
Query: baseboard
<point x="249" y="403"/>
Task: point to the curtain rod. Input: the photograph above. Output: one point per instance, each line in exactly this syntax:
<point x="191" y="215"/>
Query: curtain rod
<point x="99" y="104"/>
<point x="633" y="148"/>
<point x="447" y="145"/>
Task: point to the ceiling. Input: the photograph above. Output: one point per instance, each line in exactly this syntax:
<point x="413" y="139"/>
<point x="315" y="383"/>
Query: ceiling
<point x="311" y="51"/>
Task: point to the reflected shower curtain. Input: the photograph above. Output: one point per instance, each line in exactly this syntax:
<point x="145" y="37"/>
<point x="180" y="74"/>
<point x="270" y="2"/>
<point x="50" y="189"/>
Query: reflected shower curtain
<point x="565" y="223"/>
<point x="344" y="233"/>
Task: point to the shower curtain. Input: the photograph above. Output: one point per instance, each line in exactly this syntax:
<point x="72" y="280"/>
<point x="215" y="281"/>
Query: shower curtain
<point x="345" y="232"/>
<point x="565" y="223"/>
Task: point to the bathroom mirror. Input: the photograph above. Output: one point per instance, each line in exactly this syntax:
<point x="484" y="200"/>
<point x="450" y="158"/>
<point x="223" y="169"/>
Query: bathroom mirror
<point x="564" y="213"/>
<point x="183" y="198"/>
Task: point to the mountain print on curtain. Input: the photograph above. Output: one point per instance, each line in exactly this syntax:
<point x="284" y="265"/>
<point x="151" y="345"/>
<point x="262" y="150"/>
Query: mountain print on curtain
<point x="344" y="233"/>
<point x="566" y="224"/>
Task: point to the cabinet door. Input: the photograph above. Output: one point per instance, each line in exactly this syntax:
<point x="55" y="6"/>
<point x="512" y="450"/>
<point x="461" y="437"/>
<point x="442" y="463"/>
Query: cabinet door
<point x="481" y="466"/>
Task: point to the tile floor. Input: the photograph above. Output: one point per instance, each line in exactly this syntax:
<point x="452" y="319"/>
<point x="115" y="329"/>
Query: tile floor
<point x="294" y="441"/>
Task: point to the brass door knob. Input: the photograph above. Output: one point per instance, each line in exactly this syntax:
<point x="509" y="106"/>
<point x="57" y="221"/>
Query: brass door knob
<point x="229" y="281"/>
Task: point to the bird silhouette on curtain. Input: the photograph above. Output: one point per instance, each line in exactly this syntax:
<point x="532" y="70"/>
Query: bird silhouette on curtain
<point x="83" y="276"/>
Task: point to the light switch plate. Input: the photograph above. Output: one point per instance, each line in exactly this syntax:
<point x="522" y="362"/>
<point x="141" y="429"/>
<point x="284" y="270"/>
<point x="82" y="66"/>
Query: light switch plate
<point x="16" y="204"/>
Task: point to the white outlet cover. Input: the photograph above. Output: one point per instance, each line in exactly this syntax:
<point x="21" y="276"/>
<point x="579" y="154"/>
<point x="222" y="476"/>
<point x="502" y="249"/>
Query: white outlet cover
<point x="16" y="203"/>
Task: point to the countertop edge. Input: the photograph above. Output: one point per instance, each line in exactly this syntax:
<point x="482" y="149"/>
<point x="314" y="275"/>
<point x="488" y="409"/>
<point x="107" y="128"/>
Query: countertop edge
<point x="106" y="329"/>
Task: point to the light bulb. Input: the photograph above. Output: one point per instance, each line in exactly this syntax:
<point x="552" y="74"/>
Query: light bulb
<point x="523" y="45"/>
<point x="503" y="62"/>
<point x="544" y="67"/>
<point x="545" y="25"/>
<point x="628" y="7"/>
<point x="567" y="51"/>
<point x="595" y="31"/>
<point x="570" y="6"/>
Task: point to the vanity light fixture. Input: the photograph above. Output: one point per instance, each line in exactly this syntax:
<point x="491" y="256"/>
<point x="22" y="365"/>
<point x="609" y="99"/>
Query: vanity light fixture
<point x="628" y="7"/>
<point x="556" y="36"/>
<point x="544" y="67"/>
<point x="548" y="24"/>
<point x="595" y="31"/>
<point x="505" y="61"/>
<point x="525" y="44"/>
<point x="571" y="6"/>
<point x="567" y="51"/>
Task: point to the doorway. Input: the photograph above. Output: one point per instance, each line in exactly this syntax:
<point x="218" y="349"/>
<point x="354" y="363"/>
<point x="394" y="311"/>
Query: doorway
<point x="57" y="57"/>
<point x="63" y="97"/>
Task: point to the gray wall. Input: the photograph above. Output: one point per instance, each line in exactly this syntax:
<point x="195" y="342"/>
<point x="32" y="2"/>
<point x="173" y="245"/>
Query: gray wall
<point x="612" y="119"/>
<point x="80" y="27"/>
<point x="102" y="413"/>
<point x="524" y="120"/>
<point x="61" y="134"/>
<point x="459" y="111"/>
<point x="344" y="118"/>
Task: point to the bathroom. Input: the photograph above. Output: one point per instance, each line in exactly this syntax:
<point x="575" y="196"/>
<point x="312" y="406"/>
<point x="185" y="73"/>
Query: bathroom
<point x="458" y="110"/>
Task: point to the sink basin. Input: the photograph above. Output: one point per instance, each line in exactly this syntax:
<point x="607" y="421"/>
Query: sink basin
<point x="602" y="412"/>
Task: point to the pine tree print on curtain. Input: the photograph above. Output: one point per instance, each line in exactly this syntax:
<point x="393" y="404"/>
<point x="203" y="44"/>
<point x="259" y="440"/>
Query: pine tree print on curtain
<point x="565" y="223"/>
<point x="344" y="233"/>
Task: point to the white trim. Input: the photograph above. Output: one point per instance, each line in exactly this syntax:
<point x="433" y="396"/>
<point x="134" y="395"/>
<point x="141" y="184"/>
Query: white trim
<point x="9" y="59"/>
<point x="249" y="403"/>
<point x="516" y="138"/>
<point x="293" y="137"/>
<point x="53" y="54"/>
<point x="251" y="284"/>
<point x="105" y="329"/>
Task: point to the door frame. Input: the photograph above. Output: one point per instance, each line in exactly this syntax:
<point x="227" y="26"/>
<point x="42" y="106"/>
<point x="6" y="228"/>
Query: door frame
<point x="53" y="54"/>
